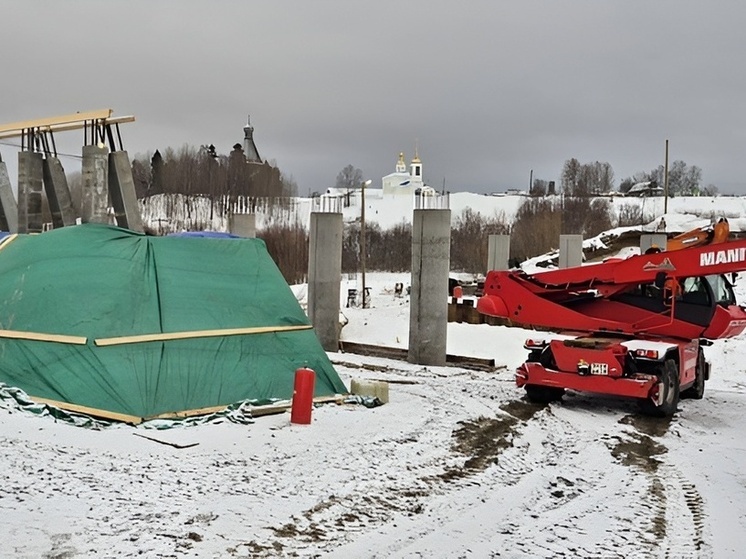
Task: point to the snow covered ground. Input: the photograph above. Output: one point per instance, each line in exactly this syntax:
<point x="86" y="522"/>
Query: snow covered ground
<point x="457" y="464"/>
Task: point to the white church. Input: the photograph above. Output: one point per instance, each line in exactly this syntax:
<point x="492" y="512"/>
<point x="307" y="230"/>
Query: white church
<point x="401" y="182"/>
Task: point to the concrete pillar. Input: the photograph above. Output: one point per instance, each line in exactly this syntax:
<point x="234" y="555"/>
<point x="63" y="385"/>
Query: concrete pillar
<point x="94" y="205"/>
<point x="242" y="225"/>
<point x="30" y="192"/>
<point x="8" y="206"/>
<point x="428" y="301"/>
<point x="58" y="193"/>
<point x="571" y="251"/>
<point x="648" y="240"/>
<point x="324" y="273"/>
<point x="122" y="192"/>
<point x="498" y="252"/>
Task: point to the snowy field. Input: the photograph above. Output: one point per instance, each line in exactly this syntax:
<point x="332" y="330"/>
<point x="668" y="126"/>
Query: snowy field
<point x="458" y="464"/>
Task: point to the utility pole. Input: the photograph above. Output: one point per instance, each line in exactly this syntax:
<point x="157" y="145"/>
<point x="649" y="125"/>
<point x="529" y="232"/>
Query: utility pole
<point x="362" y="238"/>
<point x="665" y="183"/>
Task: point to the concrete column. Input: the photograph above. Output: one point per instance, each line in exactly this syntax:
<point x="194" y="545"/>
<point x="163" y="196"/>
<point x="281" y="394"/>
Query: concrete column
<point x="324" y="273"/>
<point x="428" y="301"/>
<point x="29" y="192"/>
<point x="95" y="200"/>
<point x="498" y="252"/>
<point x="648" y="240"/>
<point x="571" y="251"/>
<point x="8" y="206"/>
<point x="122" y="192"/>
<point x="242" y="225"/>
<point x="58" y="193"/>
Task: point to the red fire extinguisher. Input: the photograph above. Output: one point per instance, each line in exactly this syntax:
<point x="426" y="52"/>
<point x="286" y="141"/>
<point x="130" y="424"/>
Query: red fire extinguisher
<point x="300" y="411"/>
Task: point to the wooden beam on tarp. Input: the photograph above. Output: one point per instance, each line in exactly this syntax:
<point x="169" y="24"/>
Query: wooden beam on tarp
<point x="85" y="410"/>
<point x="41" y="337"/>
<point x="170" y="336"/>
<point x="256" y="411"/>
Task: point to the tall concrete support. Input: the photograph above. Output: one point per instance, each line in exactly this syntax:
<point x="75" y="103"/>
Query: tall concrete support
<point x="122" y="192"/>
<point x="94" y="203"/>
<point x="242" y="225"/>
<point x="8" y="206"/>
<point x="571" y="251"/>
<point x="30" y="192"/>
<point x="428" y="302"/>
<point x="498" y="252"/>
<point x="58" y="193"/>
<point x="324" y="273"/>
<point x="649" y="240"/>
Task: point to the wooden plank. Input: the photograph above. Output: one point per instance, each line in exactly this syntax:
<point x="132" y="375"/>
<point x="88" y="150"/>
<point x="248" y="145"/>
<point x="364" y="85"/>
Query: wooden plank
<point x="69" y="126"/>
<point x="55" y="120"/>
<point x="170" y="336"/>
<point x="276" y="407"/>
<point x="7" y="240"/>
<point x="402" y="354"/>
<point x="39" y="337"/>
<point x="285" y="405"/>
<point x="256" y="411"/>
<point x="188" y="413"/>
<point x="94" y="412"/>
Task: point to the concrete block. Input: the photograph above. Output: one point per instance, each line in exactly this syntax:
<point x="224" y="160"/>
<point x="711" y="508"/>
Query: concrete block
<point x="648" y="240"/>
<point x="8" y="205"/>
<point x="428" y="300"/>
<point x="95" y="199"/>
<point x="571" y="251"/>
<point x="30" y="178"/>
<point x="58" y="194"/>
<point x="324" y="273"/>
<point x="371" y="388"/>
<point x="498" y="252"/>
<point x="122" y="192"/>
<point x="242" y="225"/>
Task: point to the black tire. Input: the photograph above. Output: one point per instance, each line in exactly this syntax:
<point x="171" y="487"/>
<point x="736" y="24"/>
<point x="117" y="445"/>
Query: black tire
<point x="543" y="394"/>
<point x="697" y="390"/>
<point x="669" y="400"/>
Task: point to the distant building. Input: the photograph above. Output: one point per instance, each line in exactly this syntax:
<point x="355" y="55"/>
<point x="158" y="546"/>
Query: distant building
<point x="647" y="188"/>
<point x="401" y="182"/>
<point x="249" y="147"/>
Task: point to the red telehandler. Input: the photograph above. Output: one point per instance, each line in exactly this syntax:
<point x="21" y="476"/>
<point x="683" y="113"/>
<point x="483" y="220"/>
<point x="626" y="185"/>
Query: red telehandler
<point x="631" y="327"/>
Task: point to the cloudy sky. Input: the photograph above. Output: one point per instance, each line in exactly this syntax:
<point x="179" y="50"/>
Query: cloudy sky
<point x="488" y="90"/>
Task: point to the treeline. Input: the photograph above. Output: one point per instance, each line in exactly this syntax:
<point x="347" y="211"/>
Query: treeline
<point x="536" y="229"/>
<point x="203" y="172"/>
<point x="597" y="177"/>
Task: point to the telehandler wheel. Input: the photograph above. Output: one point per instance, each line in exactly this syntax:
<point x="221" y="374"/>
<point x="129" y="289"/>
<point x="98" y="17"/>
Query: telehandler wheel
<point x="668" y="397"/>
<point x="543" y="394"/>
<point x="697" y="390"/>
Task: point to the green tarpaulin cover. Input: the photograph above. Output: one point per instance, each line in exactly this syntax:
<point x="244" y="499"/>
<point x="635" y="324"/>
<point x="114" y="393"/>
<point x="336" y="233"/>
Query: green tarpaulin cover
<point x="100" y="285"/>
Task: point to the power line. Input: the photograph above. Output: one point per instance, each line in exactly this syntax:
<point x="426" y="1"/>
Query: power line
<point x="9" y="144"/>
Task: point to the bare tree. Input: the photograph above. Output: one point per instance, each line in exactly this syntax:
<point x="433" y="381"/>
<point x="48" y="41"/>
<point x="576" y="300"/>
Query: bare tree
<point x="349" y="179"/>
<point x="470" y="239"/>
<point x="536" y="228"/>
<point x="571" y="177"/>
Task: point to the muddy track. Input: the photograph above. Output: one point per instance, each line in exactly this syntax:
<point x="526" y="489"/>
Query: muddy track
<point x="679" y="518"/>
<point x="491" y="456"/>
<point x="500" y="460"/>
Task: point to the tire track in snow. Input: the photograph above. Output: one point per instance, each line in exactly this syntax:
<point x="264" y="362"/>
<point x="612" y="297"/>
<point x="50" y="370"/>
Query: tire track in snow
<point x="679" y="518"/>
<point x="540" y="480"/>
<point x="684" y="517"/>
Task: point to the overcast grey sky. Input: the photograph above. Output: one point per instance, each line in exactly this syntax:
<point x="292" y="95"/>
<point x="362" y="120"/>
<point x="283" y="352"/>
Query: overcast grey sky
<point x="489" y="90"/>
